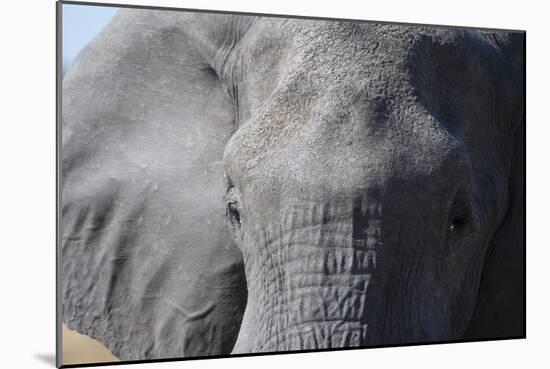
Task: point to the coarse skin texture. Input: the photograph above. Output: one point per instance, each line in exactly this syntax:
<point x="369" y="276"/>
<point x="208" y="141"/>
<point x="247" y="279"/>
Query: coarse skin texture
<point x="243" y="184"/>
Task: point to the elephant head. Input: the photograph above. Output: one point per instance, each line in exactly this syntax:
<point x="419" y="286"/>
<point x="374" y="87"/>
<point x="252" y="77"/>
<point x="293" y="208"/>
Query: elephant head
<point x="243" y="184"/>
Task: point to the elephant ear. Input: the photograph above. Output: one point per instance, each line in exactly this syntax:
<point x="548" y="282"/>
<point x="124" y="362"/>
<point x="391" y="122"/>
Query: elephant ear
<point x="148" y="266"/>
<point x="500" y="309"/>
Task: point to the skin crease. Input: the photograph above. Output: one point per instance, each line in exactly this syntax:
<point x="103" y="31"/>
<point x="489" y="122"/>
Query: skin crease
<point x="370" y="176"/>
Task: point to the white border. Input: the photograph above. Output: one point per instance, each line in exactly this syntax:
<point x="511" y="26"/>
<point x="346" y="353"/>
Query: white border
<point x="27" y="186"/>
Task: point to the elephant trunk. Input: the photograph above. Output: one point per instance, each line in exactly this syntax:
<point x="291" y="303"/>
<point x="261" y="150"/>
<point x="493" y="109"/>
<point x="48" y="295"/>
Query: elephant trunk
<point x="308" y="279"/>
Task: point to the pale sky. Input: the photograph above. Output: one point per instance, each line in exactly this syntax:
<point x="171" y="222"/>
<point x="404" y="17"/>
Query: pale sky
<point x="81" y="23"/>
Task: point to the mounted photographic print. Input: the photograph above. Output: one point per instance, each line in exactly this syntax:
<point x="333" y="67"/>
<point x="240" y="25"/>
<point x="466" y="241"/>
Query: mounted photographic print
<point x="235" y="184"/>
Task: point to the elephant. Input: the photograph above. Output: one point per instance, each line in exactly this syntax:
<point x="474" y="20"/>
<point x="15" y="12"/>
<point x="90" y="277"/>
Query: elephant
<point x="236" y="184"/>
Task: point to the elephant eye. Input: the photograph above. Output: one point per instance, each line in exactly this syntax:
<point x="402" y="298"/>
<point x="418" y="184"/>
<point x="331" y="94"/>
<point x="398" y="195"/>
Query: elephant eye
<point x="233" y="209"/>
<point x="233" y="213"/>
<point x="460" y="216"/>
<point x="457" y="223"/>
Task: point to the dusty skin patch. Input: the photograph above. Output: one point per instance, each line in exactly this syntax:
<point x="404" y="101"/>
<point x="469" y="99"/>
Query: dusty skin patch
<point x="81" y="349"/>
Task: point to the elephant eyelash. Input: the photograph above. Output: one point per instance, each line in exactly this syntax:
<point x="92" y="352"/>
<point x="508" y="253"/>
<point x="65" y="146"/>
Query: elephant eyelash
<point x="233" y="212"/>
<point x="231" y="196"/>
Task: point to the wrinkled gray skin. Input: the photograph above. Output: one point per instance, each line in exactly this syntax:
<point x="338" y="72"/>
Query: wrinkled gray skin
<point x="365" y="179"/>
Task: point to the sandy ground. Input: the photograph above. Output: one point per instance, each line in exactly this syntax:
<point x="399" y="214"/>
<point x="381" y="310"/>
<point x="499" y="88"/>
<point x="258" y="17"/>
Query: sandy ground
<point x="81" y="349"/>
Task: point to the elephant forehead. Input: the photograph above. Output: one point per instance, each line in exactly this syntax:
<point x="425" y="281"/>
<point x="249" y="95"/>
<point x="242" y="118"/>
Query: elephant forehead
<point x="349" y="132"/>
<point x="285" y="62"/>
<point x="322" y="52"/>
<point x="339" y="114"/>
